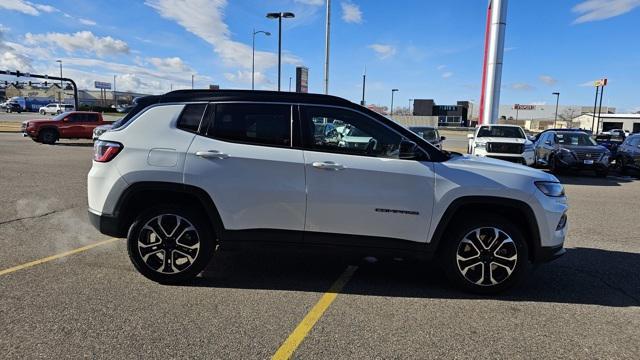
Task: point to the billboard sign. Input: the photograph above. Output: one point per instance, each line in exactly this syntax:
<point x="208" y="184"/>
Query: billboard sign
<point x="523" y="107"/>
<point x="302" y="79"/>
<point x="102" y="85"/>
<point x="601" y="82"/>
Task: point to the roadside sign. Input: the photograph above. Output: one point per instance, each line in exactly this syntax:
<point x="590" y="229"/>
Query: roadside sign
<point x="102" y="85"/>
<point x="523" y="107"/>
<point x="302" y="79"/>
<point x="601" y="82"/>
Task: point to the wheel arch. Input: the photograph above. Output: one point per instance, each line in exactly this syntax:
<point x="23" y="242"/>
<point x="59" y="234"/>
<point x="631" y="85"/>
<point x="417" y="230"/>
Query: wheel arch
<point x="142" y="195"/>
<point x="514" y="210"/>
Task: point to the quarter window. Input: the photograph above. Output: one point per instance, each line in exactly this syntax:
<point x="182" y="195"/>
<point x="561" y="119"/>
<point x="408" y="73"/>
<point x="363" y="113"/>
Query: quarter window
<point x="264" y="124"/>
<point x="354" y="134"/>
<point x="190" y="118"/>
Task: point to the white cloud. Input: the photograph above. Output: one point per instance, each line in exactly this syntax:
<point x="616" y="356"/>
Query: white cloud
<point x="45" y="8"/>
<point x="351" y="13"/>
<point x="171" y="64"/>
<point x="82" y="41"/>
<point x="595" y="10"/>
<point x="10" y="57"/>
<point x="441" y="67"/>
<point x="311" y="2"/>
<point x="522" y="86"/>
<point x="87" y="22"/>
<point x="548" y="80"/>
<point x="244" y="77"/>
<point x="384" y="51"/>
<point x="447" y="75"/>
<point x="19" y="5"/>
<point x="204" y="18"/>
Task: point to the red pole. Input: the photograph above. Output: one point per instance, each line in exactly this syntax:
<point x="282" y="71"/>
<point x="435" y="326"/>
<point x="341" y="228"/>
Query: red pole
<point x="484" y="63"/>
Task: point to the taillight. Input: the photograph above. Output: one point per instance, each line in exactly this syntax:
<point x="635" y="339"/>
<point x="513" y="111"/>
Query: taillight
<point x="105" y="151"/>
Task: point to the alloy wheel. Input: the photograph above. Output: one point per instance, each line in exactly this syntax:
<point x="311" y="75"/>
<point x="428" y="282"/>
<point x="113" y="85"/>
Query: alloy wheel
<point x="168" y="244"/>
<point x="487" y="256"/>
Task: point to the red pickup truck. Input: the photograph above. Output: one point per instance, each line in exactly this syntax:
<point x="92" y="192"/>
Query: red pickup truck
<point x="68" y="125"/>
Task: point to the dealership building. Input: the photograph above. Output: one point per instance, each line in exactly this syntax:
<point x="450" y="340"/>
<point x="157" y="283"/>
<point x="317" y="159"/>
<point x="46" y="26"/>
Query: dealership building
<point x="627" y="122"/>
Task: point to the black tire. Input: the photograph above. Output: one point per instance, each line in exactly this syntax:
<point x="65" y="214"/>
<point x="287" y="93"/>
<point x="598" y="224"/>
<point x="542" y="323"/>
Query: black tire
<point x="621" y="165"/>
<point x="152" y="263"/>
<point x="48" y="136"/>
<point x="466" y="274"/>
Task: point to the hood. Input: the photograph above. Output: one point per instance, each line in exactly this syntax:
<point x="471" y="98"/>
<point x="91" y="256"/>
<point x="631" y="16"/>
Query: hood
<point x="502" y="140"/>
<point x="497" y="168"/>
<point x="40" y="121"/>
<point x="598" y="148"/>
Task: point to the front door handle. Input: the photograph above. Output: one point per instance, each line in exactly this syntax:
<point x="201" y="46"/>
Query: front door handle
<point x="327" y="165"/>
<point x="212" y="154"/>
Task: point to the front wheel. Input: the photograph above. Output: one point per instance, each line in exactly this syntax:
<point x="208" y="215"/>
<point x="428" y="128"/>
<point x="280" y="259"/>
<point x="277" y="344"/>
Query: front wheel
<point x="170" y="244"/>
<point x="485" y="255"/>
<point x="602" y="173"/>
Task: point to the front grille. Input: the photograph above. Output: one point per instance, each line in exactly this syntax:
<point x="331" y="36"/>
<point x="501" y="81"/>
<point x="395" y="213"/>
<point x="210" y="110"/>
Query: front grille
<point x="505" y="148"/>
<point x="588" y="155"/>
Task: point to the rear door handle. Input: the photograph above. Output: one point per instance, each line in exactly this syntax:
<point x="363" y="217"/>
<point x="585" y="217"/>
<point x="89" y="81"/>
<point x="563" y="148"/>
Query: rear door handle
<point x="327" y="165"/>
<point x="212" y="154"/>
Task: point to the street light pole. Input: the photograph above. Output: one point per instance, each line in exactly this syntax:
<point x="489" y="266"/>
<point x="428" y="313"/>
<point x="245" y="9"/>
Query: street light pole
<point x="61" y="87"/>
<point x="557" y="94"/>
<point x="115" y="97"/>
<point x="279" y="16"/>
<point x="253" y="55"/>
<point x="392" y="93"/>
<point x="326" y="48"/>
<point x="364" y="85"/>
<point x="192" y="77"/>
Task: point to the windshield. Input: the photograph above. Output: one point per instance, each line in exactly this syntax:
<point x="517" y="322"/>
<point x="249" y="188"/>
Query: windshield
<point x="61" y="116"/>
<point x="501" y="131"/>
<point x="575" y="139"/>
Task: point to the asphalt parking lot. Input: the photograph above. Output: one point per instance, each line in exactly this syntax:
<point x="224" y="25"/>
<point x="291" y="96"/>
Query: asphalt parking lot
<point x="92" y="303"/>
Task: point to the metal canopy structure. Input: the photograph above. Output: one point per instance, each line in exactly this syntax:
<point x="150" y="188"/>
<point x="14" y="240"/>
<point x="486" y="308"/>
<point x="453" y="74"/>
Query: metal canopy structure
<point x="45" y="77"/>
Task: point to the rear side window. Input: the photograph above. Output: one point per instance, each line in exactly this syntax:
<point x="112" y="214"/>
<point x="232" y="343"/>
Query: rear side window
<point x="190" y="118"/>
<point x="263" y="124"/>
<point x="92" y="117"/>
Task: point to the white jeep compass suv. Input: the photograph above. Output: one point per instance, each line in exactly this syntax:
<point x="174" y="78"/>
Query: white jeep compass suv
<point x="196" y="170"/>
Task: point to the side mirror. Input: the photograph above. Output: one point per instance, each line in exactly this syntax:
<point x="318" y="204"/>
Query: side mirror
<point x="547" y="142"/>
<point x="443" y="138"/>
<point x="408" y="150"/>
<point x="65" y="119"/>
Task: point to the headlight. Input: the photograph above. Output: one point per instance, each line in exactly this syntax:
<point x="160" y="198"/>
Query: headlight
<point x="553" y="189"/>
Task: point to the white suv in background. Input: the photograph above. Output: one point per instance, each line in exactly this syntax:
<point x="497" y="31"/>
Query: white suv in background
<point x="196" y="170"/>
<point x="504" y="142"/>
<point x="54" y="109"/>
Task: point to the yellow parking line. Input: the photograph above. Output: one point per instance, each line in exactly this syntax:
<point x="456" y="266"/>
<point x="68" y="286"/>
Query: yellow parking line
<point x="55" y="257"/>
<point x="295" y="339"/>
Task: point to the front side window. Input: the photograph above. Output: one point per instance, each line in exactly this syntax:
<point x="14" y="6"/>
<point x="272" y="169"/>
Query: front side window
<point x="263" y="124"/>
<point x="356" y="134"/>
<point x="77" y="118"/>
<point x="92" y="117"/>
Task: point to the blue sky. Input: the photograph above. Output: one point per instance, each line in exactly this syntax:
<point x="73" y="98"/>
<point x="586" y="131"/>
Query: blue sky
<point x="427" y="49"/>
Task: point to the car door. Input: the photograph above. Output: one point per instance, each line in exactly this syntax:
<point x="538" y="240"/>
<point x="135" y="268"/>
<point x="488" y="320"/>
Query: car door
<point x="90" y="122"/>
<point x="71" y="126"/>
<point x="365" y="189"/>
<point x="244" y="159"/>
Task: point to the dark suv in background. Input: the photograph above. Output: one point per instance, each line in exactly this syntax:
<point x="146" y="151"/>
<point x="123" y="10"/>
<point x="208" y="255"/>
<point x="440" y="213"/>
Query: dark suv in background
<point x="430" y="134"/>
<point x="576" y="150"/>
<point x="628" y="155"/>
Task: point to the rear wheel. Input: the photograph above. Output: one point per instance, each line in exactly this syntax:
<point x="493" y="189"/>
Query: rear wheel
<point x="48" y="136"/>
<point x="485" y="255"/>
<point x="170" y="244"/>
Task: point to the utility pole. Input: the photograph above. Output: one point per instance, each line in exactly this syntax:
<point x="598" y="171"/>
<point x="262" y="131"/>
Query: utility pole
<point x="364" y="85"/>
<point x="289" y="83"/>
<point x="595" y="105"/>
<point x="557" y="94"/>
<point x="599" y="111"/>
<point x="326" y="49"/>
<point x="192" y="77"/>
<point x="392" y="93"/>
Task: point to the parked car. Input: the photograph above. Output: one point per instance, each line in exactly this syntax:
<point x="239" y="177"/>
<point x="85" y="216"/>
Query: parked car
<point x="611" y="141"/>
<point x="354" y="138"/>
<point x="10" y="107"/>
<point x="68" y="125"/>
<point x="429" y="133"/>
<point x="576" y="150"/>
<point x="628" y="155"/>
<point x="327" y="133"/>
<point x="99" y="130"/>
<point x="192" y="171"/>
<point x="55" y="109"/>
<point x="504" y="142"/>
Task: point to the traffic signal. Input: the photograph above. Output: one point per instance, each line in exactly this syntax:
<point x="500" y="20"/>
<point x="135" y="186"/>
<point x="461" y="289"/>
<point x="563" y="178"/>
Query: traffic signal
<point x="45" y="83"/>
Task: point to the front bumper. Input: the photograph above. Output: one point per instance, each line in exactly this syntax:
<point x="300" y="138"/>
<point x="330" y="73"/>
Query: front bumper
<point x="569" y="162"/>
